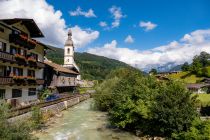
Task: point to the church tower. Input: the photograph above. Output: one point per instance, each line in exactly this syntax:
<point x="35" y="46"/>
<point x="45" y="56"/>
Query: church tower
<point x="69" y="52"/>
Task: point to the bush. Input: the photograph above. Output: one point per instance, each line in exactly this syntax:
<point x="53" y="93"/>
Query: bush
<point x="173" y="110"/>
<point x="200" y="130"/>
<point x="37" y="117"/>
<point x="13" y="131"/>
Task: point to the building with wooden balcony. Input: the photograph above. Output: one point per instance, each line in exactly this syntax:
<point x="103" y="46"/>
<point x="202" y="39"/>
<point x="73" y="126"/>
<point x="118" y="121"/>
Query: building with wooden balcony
<point x="21" y="61"/>
<point x="59" y="78"/>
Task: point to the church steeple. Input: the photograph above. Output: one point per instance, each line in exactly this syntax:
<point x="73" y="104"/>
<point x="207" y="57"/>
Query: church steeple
<point x="69" y="51"/>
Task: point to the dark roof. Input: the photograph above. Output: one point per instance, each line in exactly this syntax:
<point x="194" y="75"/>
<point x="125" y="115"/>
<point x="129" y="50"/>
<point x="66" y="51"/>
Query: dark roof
<point x="45" y="46"/>
<point x="59" y="68"/>
<point x="197" y="86"/>
<point x="29" y="23"/>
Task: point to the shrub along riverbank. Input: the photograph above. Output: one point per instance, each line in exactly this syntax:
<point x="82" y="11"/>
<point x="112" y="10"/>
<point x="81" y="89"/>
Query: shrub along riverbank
<point x="20" y="130"/>
<point x="141" y="103"/>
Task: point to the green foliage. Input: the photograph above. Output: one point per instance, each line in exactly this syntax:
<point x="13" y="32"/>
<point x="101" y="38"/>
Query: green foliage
<point x="200" y="130"/>
<point x="206" y="71"/>
<point x="37" y="117"/>
<point x="13" y="131"/>
<point x="137" y="102"/>
<point x="185" y="67"/>
<point x="153" y="71"/>
<point x="173" y="109"/>
<point x="104" y="96"/>
<point x="92" y="67"/>
<point x="44" y="93"/>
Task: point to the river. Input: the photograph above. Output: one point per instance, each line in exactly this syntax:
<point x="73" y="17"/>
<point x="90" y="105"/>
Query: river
<point x="83" y="123"/>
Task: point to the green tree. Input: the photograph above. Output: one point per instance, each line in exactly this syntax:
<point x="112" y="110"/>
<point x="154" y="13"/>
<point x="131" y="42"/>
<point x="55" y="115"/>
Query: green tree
<point x="206" y="71"/>
<point x="173" y="110"/>
<point x="153" y="71"/>
<point x="196" y="66"/>
<point x="185" y="67"/>
<point x="204" y="59"/>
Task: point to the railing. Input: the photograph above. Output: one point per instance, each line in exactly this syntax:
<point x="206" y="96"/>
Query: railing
<point x="40" y="81"/>
<point x="20" y="81"/>
<point x="7" y="56"/>
<point x="6" y="80"/>
<point x="22" y="41"/>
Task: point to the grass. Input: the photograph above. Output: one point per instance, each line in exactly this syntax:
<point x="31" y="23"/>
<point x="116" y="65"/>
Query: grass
<point x="186" y="76"/>
<point x="203" y="98"/>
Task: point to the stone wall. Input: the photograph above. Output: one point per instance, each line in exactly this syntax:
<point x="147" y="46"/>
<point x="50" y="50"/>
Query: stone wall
<point x="54" y="109"/>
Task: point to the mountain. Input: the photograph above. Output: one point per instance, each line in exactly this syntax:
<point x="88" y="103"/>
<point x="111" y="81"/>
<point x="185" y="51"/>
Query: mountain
<point x="176" y="68"/>
<point x="92" y="67"/>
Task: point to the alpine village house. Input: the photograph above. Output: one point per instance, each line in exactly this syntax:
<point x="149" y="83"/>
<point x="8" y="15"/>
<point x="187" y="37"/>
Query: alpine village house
<point x="21" y="61"/>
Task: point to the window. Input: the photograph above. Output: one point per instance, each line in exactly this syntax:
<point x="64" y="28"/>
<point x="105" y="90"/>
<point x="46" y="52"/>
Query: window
<point x="2" y="70"/>
<point x="2" y="93"/>
<point x="3" y="46"/>
<point x="31" y="91"/>
<point x="68" y="51"/>
<point x="17" y="71"/>
<point x="16" y="93"/>
<point x="8" y="71"/>
<point x="31" y="73"/>
<point x="15" y="50"/>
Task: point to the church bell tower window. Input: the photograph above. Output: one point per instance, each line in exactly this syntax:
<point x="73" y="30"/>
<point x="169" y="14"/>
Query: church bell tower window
<point x="68" y="51"/>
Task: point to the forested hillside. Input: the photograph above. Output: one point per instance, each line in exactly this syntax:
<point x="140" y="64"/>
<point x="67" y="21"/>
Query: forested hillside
<point x="92" y="67"/>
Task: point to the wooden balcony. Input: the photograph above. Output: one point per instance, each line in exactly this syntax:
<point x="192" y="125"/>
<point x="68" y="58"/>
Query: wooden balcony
<point x="6" y="80"/>
<point x="4" y="56"/>
<point x="20" y="81"/>
<point x="40" y="81"/>
<point x="22" y="41"/>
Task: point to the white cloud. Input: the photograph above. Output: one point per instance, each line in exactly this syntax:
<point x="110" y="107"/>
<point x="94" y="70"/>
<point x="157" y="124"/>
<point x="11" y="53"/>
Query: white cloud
<point x="82" y="37"/>
<point x="147" y="25"/>
<point x="103" y="24"/>
<point x="129" y="39"/>
<point x="176" y="52"/>
<point x="117" y="16"/>
<point x="78" y="12"/>
<point x="48" y="19"/>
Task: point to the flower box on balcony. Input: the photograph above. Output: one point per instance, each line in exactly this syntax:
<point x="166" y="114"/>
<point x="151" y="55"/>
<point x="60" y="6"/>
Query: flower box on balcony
<point x="19" y="77"/>
<point x="31" y="80"/>
<point x="19" y="80"/>
<point x="22" y="41"/>
<point x="31" y="59"/>
<point x="18" y="56"/>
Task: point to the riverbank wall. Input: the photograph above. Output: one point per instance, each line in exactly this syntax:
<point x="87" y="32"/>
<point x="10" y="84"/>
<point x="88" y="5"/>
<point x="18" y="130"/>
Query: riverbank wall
<point x="53" y="109"/>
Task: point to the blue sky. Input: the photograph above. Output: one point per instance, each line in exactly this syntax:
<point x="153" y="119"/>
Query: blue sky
<point x="173" y="17"/>
<point x="143" y="33"/>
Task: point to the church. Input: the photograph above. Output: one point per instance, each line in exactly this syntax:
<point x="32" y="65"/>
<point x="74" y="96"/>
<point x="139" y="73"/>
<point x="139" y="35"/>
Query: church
<point x="64" y="78"/>
<point x="69" y="62"/>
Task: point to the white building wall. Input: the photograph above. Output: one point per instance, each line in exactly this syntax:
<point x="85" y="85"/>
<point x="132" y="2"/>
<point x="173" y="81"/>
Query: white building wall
<point x="21" y="100"/>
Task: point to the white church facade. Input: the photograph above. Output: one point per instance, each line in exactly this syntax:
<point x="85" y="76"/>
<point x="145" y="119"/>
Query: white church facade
<point x="69" y="62"/>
